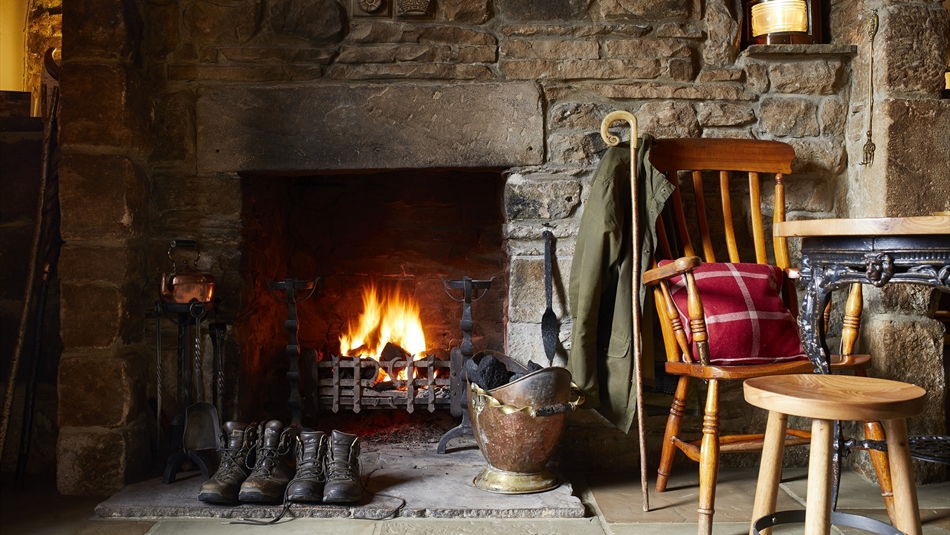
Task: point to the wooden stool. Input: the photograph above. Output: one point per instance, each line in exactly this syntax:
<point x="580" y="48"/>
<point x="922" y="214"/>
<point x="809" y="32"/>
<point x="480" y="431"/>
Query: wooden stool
<point x="826" y="398"/>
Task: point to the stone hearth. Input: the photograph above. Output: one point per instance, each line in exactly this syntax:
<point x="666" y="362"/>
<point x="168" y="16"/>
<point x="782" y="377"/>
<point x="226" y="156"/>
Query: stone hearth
<point x="400" y="481"/>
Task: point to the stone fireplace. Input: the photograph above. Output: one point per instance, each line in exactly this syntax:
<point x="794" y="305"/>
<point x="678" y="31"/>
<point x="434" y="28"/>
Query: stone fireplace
<point x="177" y="114"/>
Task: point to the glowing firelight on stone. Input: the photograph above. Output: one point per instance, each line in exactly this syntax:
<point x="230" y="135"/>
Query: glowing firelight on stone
<point x="386" y="318"/>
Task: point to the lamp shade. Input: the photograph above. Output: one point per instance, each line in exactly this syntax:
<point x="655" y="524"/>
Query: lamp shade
<point x="770" y="22"/>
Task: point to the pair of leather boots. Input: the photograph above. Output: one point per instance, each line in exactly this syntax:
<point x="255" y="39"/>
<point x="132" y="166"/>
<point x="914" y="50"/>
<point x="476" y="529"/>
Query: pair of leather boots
<point x="255" y="466"/>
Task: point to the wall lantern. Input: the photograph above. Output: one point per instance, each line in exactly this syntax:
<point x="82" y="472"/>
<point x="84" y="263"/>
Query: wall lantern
<point x="774" y="22"/>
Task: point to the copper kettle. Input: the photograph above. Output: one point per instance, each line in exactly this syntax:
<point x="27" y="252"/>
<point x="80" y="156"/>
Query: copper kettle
<point x="186" y="284"/>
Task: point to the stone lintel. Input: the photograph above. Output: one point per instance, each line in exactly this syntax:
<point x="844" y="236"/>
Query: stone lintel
<point x="307" y="127"/>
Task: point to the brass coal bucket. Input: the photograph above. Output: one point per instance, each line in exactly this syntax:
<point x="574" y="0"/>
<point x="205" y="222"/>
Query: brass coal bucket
<point x="517" y="426"/>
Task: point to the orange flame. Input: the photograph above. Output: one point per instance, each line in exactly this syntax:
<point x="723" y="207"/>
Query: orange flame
<point x="390" y="318"/>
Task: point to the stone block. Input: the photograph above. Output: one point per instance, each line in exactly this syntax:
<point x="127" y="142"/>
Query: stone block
<point x="92" y="263"/>
<point x="401" y="126"/>
<point x="644" y="9"/>
<point x="206" y="195"/>
<point x="402" y="71"/>
<point x="603" y="69"/>
<point x="572" y="148"/>
<point x="643" y="48"/>
<point x="91" y="316"/>
<point x="466" y="11"/>
<point x="525" y="10"/>
<point x="817" y="155"/>
<point x="526" y="300"/>
<point x="96" y="461"/>
<point x="814" y="196"/>
<point x="722" y="26"/>
<point x="102" y="196"/>
<point x="99" y="391"/>
<point x="225" y="23"/>
<point x="668" y="119"/>
<point x="910" y="349"/>
<point x="524" y="343"/>
<point x="728" y="133"/>
<point x="654" y="90"/>
<point x="918" y="178"/>
<point x="680" y="70"/>
<point x="679" y="30"/>
<point x="244" y="73"/>
<point x="757" y="76"/>
<point x="819" y="77"/>
<point x="555" y="49"/>
<point x="833" y="115"/>
<point x="540" y="199"/>
<point x="174" y="128"/>
<point x="720" y="75"/>
<point x="912" y="43"/>
<point x="245" y="54"/>
<point x="109" y="29"/>
<point x="103" y="105"/>
<point x="723" y="114"/>
<point x="317" y="21"/>
<point x="448" y="35"/>
<point x="789" y="117"/>
<point x="578" y="115"/>
<point x="164" y="32"/>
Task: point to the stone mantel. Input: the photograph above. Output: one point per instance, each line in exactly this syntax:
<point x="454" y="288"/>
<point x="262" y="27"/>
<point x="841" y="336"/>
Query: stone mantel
<point x="309" y="127"/>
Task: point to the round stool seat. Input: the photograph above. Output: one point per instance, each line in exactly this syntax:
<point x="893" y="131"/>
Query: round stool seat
<point x="835" y="397"/>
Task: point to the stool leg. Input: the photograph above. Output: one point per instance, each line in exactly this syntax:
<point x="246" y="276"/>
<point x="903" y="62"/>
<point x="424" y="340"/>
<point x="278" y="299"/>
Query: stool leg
<point x="770" y="468"/>
<point x="902" y="477"/>
<point x="818" y="499"/>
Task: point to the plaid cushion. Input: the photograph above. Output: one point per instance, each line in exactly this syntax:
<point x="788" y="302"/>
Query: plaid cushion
<point x="747" y="321"/>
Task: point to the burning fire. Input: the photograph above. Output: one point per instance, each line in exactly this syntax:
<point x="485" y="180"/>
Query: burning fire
<point x="390" y="318"/>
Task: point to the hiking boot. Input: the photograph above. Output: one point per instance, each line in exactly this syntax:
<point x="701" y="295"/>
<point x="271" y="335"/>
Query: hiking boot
<point x="343" y="469"/>
<point x="307" y="484"/>
<point x="272" y="471"/>
<point x="240" y="441"/>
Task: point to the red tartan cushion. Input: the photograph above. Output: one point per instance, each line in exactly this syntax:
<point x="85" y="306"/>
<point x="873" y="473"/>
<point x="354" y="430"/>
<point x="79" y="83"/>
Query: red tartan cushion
<point x="747" y="321"/>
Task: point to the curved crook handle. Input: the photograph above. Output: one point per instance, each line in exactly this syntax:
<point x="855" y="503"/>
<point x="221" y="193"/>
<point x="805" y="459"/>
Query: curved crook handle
<point x="619" y="115"/>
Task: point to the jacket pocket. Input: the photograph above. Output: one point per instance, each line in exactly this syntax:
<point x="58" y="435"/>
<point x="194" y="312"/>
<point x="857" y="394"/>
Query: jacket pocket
<point x="619" y="346"/>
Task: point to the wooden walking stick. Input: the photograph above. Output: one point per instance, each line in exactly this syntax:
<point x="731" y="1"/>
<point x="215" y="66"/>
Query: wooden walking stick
<point x="635" y="340"/>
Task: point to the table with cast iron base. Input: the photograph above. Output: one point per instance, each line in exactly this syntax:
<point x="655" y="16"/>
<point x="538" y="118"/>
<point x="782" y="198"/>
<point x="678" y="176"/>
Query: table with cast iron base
<point x="839" y="252"/>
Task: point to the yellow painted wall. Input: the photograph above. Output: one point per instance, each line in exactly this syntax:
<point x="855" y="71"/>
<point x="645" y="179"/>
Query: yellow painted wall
<point x="12" y="42"/>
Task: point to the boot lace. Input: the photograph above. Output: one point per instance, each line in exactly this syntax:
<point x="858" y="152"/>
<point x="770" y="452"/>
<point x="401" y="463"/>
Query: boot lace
<point x="232" y="466"/>
<point x="312" y="466"/>
<point x="339" y="469"/>
<point x="267" y="456"/>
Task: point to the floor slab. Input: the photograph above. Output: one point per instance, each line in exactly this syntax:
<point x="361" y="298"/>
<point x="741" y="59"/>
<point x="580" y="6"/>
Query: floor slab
<point x="619" y="497"/>
<point x="399" y="482"/>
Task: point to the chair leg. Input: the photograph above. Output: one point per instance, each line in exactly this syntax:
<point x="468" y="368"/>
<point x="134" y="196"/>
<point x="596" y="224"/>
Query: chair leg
<point x="902" y="475"/>
<point x="818" y="497"/>
<point x="770" y="469"/>
<point x="709" y="460"/>
<point x="673" y="425"/>
<point x="874" y="431"/>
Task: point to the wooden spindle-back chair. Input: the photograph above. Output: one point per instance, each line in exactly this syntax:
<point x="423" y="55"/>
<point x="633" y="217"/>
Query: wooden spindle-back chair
<point x="700" y="238"/>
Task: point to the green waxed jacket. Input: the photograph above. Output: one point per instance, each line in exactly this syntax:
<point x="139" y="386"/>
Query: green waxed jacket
<point x="601" y="358"/>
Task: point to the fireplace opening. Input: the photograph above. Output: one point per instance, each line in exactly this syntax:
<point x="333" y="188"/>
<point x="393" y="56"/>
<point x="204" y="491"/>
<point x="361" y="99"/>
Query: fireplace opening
<point x="367" y="239"/>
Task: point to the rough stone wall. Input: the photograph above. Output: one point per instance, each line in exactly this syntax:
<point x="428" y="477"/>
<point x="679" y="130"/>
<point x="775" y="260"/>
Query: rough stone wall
<point x="674" y="63"/>
<point x="104" y="194"/>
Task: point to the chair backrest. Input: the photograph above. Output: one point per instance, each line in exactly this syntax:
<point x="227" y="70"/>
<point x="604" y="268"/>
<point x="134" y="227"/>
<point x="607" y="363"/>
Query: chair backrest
<point x="722" y="218"/>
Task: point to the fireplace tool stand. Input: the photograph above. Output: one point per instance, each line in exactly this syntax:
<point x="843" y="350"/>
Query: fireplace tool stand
<point x="290" y="289"/>
<point x="197" y="427"/>
<point x="461" y="355"/>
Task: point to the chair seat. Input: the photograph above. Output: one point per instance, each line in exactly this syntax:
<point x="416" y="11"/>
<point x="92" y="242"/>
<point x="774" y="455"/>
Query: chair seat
<point x="835" y="397"/>
<point x="697" y="370"/>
